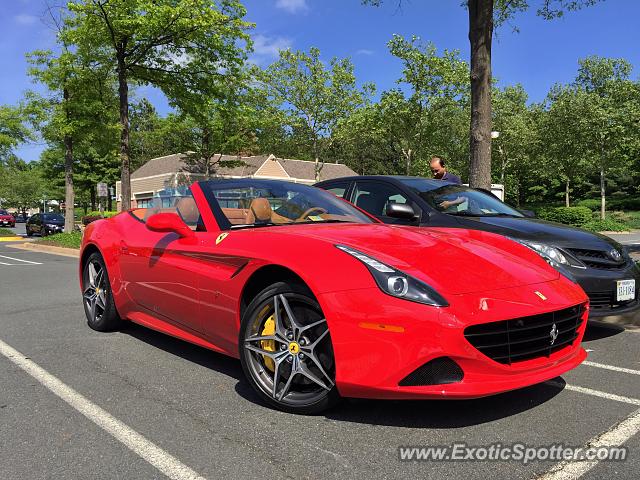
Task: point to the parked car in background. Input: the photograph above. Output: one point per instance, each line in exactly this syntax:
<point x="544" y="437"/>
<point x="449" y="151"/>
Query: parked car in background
<point x="45" y="224"/>
<point x="21" y="217"/>
<point x="601" y="266"/>
<point x="6" y="219"/>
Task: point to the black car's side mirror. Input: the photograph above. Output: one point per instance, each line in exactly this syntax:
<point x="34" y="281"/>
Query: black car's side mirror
<point x="528" y="213"/>
<point x="400" y="210"/>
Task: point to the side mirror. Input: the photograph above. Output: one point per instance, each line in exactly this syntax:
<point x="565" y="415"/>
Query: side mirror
<point x="168" y="222"/>
<point x="400" y="210"/>
<point x="528" y="213"/>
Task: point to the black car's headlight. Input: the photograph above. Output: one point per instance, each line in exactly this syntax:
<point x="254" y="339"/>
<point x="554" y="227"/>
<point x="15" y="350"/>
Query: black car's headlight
<point x="52" y="225"/>
<point x="553" y="255"/>
<point x="397" y="283"/>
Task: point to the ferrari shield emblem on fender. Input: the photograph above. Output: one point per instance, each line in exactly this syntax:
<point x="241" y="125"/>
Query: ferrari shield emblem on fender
<point x="542" y="297"/>
<point x="221" y="237"/>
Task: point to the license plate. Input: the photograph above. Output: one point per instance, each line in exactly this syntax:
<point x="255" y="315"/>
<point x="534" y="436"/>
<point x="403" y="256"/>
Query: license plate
<point x="626" y="290"/>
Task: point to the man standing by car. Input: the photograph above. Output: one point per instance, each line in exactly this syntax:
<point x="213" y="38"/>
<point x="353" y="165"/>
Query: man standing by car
<point x="440" y="172"/>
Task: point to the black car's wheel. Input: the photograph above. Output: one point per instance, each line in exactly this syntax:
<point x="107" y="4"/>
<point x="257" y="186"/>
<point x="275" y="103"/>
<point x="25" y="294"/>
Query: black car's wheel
<point x="286" y="351"/>
<point x="97" y="296"/>
<point x="29" y="232"/>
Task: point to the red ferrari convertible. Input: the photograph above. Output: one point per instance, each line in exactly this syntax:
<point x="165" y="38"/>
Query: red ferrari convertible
<point x="319" y="300"/>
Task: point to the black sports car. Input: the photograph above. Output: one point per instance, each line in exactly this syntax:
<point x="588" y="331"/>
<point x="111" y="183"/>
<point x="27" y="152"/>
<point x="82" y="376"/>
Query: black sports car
<point x="601" y="266"/>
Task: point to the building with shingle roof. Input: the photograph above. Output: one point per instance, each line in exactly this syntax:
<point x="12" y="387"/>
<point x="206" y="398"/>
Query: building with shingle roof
<point x="163" y="174"/>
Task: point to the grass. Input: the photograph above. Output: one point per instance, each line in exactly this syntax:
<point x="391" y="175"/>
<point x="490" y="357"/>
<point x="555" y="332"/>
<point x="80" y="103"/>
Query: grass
<point x="5" y="232"/>
<point x="66" y="240"/>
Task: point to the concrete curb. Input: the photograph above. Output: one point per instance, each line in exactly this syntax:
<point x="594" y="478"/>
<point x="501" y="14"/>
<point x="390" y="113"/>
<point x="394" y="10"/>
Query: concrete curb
<point x="34" y="247"/>
<point x="10" y="239"/>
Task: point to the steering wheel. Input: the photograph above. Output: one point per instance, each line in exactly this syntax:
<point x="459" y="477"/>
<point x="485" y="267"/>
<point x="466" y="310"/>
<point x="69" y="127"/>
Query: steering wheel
<point x="309" y="211"/>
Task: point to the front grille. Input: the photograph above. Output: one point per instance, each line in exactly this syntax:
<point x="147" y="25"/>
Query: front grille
<point x="519" y="339"/>
<point x="439" y="371"/>
<point x="596" y="259"/>
<point x="606" y="300"/>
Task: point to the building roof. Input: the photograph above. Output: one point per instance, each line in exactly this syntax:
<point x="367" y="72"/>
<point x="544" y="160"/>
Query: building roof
<point x="296" y="169"/>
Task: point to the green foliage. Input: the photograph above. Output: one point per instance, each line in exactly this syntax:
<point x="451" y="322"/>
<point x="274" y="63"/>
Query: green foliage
<point x="574" y="216"/>
<point x="592" y="204"/>
<point x="607" y="225"/>
<point x="14" y="130"/>
<point x="312" y="98"/>
<point x="105" y="214"/>
<point x="66" y="240"/>
<point x="5" y="232"/>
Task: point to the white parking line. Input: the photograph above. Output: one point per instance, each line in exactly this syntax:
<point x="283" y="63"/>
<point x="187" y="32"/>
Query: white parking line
<point x="595" y="393"/>
<point x="147" y="450"/>
<point x="18" y="260"/>
<point x="614" y="437"/>
<point x="611" y="367"/>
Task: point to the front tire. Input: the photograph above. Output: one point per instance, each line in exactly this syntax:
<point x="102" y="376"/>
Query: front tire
<point x="97" y="296"/>
<point x="286" y="351"/>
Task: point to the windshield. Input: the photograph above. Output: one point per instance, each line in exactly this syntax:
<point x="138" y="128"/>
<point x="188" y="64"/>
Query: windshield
<point x="460" y="200"/>
<point x="52" y="217"/>
<point x="254" y="203"/>
<point x="3" y="212"/>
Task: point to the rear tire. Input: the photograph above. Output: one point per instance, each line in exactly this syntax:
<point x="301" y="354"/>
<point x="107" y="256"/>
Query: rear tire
<point x="97" y="296"/>
<point x="294" y="351"/>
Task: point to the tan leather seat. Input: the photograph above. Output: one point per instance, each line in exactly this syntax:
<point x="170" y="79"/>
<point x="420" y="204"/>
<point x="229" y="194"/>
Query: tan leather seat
<point x="259" y="211"/>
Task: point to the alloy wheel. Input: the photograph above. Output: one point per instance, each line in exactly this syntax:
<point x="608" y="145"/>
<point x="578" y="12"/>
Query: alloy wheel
<point x="95" y="293"/>
<point x="287" y="348"/>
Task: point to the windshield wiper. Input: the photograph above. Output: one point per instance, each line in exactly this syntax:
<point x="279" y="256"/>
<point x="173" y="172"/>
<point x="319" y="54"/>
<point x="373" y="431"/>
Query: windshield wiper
<point x="257" y="225"/>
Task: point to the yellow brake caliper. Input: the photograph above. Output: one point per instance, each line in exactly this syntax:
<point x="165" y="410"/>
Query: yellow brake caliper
<point x="269" y="345"/>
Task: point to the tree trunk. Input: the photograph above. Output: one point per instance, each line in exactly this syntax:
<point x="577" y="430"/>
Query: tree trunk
<point x="125" y="173"/>
<point x="318" y="165"/>
<point x="110" y="203"/>
<point x="93" y="198"/>
<point x="69" y="196"/>
<point x="603" y="193"/>
<point x="480" y="35"/>
<point x="566" y="193"/>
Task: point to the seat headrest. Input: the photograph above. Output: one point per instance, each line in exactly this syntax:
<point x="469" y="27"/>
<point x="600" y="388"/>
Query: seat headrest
<point x="259" y="211"/>
<point x="188" y="210"/>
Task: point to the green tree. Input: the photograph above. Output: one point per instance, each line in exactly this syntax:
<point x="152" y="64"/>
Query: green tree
<point x="483" y="16"/>
<point x="314" y="97"/>
<point x="614" y="128"/>
<point x="14" y="130"/>
<point x="176" y="45"/>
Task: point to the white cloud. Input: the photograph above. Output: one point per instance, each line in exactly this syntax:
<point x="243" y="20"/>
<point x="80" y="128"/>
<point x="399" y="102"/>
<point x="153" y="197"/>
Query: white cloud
<point x="292" y="6"/>
<point x="364" y="51"/>
<point x="25" y="20"/>
<point x="268" y="48"/>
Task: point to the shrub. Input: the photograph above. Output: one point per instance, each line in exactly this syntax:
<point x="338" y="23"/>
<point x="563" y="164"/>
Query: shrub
<point x="607" y="225"/>
<point x="5" y="232"/>
<point x="105" y="214"/>
<point x="628" y="203"/>
<point x="67" y="240"/>
<point x="575" y="216"/>
<point x="592" y="204"/>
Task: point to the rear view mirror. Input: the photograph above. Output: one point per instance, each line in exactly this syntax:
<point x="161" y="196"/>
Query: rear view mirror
<point x="400" y="210"/>
<point x="168" y="222"/>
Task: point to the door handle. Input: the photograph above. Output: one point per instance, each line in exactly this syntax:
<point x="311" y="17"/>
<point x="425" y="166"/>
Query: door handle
<point x="124" y="248"/>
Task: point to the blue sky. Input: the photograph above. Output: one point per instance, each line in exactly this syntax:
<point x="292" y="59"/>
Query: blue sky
<point x="543" y="53"/>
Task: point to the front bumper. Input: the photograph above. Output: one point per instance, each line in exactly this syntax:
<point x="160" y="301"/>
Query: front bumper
<point x="378" y="340"/>
<point x="7" y="223"/>
<point x="600" y="286"/>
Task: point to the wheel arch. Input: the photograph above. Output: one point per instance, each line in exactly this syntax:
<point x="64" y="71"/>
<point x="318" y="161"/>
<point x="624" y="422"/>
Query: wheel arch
<point x="265" y="276"/>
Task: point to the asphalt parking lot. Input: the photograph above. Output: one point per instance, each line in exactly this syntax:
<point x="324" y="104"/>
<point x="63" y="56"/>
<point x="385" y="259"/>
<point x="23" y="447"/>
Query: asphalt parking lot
<point x="154" y="400"/>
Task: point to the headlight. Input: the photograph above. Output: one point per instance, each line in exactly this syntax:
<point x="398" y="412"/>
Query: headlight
<point x="396" y="283"/>
<point x="52" y="225"/>
<point x="554" y="256"/>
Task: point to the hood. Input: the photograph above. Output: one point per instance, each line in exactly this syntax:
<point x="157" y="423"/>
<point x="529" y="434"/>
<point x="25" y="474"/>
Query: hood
<point x="453" y="261"/>
<point x="6" y="217"/>
<point x="542" y="231"/>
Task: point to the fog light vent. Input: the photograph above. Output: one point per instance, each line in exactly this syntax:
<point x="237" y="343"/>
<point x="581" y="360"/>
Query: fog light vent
<point x="438" y="371"/>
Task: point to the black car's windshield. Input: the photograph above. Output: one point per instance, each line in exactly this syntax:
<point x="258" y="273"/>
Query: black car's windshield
<point x="255" y="203"/>
<point x="52" y="217"/>
<point x="460" y="200"/>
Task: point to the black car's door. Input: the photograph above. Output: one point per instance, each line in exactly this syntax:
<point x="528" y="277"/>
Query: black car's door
<point x="34" y="223"/>
<point x="373" y="197"/>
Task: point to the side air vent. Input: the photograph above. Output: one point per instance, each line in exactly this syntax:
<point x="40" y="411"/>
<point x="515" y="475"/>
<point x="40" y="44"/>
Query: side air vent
<point x="438" y="371"/>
